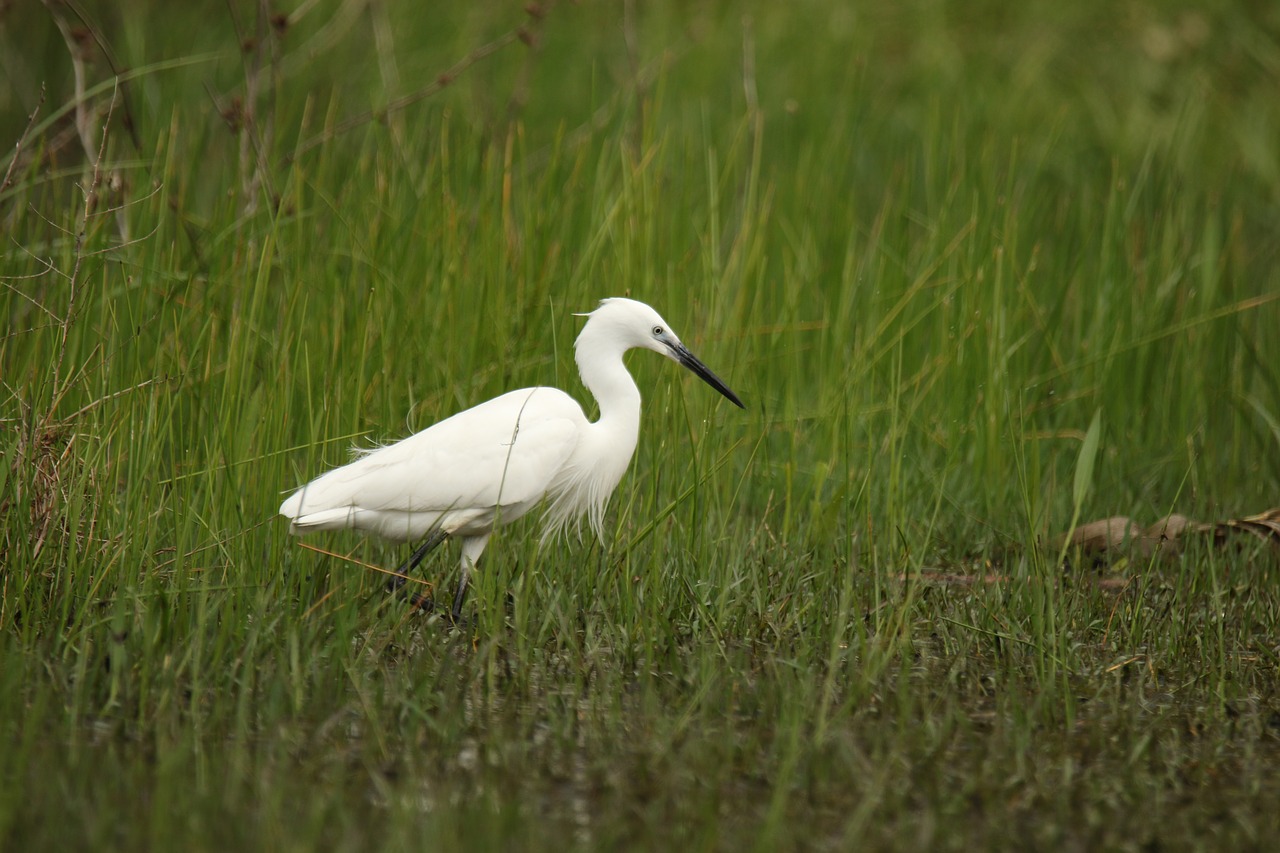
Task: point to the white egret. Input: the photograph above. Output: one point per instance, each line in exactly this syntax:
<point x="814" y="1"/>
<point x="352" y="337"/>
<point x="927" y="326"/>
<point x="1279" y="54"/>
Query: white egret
<point x="496" y="461"/>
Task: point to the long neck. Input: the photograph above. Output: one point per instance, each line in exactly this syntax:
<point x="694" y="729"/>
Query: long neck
<point x="606" y="377"/>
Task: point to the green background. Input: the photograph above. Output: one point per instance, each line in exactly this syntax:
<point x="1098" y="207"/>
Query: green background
<point x="926" y="243"/>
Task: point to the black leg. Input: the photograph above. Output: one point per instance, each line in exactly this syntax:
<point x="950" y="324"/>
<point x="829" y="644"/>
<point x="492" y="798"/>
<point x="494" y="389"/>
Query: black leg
<point x="427" y="604"/>
<point x="459" y="598"/>
<point x="397" y="581"/>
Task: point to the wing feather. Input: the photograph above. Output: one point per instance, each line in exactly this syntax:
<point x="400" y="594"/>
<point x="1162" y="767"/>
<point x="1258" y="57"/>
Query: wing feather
<point x="498" y="454"/>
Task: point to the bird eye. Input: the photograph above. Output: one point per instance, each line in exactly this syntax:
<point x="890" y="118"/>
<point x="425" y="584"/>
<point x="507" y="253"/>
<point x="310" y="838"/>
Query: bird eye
<point x="657" y="331"/>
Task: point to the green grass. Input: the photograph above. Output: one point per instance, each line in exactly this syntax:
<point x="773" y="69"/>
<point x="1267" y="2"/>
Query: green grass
<point x="925" y="246"/>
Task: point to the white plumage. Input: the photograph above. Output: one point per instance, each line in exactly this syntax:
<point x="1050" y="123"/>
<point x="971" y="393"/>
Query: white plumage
<point x="496" y="461"/>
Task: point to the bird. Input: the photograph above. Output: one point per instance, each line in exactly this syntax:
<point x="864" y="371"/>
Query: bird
<point x="495" y="462"/>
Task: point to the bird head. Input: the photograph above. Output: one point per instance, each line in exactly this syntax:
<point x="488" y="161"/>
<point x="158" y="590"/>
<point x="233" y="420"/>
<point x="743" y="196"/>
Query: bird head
<point x="629" y="324"/>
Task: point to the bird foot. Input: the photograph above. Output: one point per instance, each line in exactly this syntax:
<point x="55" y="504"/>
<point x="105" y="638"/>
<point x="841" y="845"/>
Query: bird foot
<point x="424" y="603"/>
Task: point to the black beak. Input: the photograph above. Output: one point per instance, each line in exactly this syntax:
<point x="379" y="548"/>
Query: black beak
<point x="681" y="354"/>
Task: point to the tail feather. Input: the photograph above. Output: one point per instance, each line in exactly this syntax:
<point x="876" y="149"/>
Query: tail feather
<point x="305" y="521"/>
<point x="326" y="519"/>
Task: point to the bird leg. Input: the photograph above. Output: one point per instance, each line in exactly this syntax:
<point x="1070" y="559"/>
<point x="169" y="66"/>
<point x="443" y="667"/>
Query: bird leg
<point x="460" y="597"/>
<point x="472" y="548"/>
<point x="427" y="604"/>
<point x="401" y="574"/>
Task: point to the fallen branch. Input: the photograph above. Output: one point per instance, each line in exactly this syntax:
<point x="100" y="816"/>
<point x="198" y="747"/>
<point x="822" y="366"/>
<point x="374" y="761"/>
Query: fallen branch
<point x="1166" y="536"/>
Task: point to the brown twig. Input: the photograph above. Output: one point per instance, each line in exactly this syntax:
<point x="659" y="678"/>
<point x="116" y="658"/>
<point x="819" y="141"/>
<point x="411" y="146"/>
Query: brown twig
<point x="17" y="148"/>
<point x="370" y="566"/>
<point x="98" y="402"/>
<point x="84" y="116"/>
<point x="104" y="47"/>
<point x="78" y="72"/>
<point x="256" y="132"/>
<point x="531" y="35"/>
